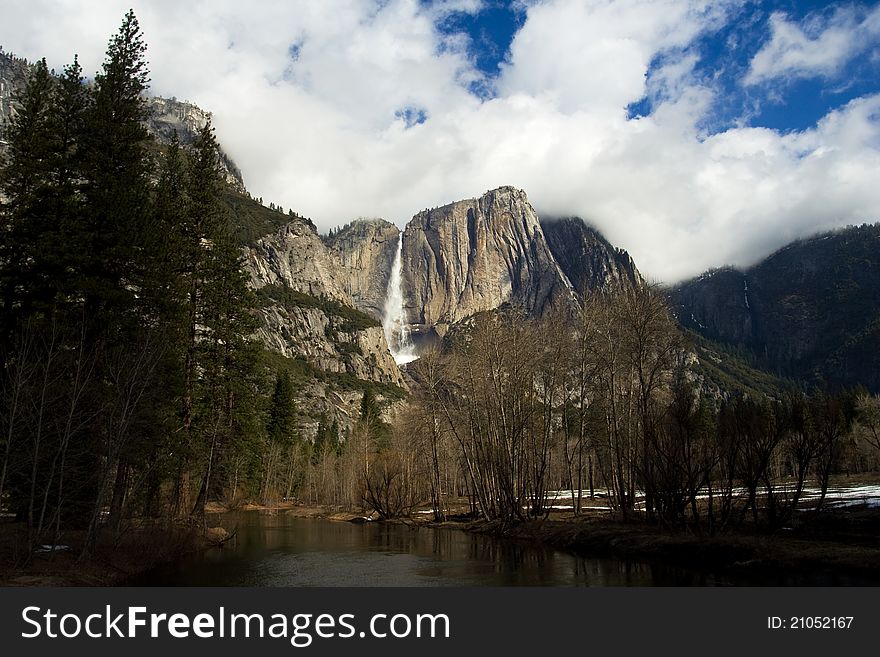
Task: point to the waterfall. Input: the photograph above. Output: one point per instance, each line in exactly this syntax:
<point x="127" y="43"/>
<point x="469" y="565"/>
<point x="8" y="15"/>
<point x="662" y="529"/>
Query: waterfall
<point x="394" y="323"/>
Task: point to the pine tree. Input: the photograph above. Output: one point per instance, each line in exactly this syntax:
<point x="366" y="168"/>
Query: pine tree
<point x="282" y="414"/>
<point x="281" y="432"/>
<point x="171" y="258"/>
<point x="200" y="415"/>
<point x="224" y="308"/>
<point x="71" y="103"/>
<point x="116" y="185"/>
<point x="114" y="270"/>
<point x="40" y="181"/>
<point x="24" y="180"/>
<point x="201" y="228"/>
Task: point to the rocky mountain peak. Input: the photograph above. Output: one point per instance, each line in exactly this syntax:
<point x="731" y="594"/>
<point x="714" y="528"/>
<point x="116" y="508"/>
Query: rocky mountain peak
<point x="169" y="115"/>
<point x="475" y="255"/>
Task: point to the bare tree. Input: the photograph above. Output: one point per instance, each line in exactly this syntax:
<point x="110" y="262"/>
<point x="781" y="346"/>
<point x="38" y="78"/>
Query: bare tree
<point x="16" y="377"/>
<point x="868" y="418"/>
<point x="128" y="373"/>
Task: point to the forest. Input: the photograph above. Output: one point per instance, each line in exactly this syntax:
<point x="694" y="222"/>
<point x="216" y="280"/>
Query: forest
<point x="130" y="377"/>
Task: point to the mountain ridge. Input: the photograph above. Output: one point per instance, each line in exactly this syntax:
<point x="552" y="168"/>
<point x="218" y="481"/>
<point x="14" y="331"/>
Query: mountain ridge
<point x="810" y="310"/>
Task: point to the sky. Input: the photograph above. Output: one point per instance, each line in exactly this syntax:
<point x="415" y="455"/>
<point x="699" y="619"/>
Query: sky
<point x="692" y="133"/>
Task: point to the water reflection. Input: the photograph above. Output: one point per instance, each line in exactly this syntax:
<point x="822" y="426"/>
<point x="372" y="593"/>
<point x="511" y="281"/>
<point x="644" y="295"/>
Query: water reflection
<point x="283" y="550"/>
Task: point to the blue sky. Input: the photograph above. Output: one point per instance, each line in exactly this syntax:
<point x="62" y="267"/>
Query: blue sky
<point x="724" y="58"/>
<point x="693" y="133"/>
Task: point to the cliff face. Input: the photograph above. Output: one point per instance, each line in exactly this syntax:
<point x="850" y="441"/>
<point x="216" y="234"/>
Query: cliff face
<point x="167" y="115"/>
<point x="296" y="257"/>
<point x="364" y="251"/>
<point x="588" y="260"/>
<point x="308" y="313"/>
<point x="809" y="311"/>
<point x="328" y="342"/>
<point x="719" y="306"/>
<point x="475" y="255"/>
<point x="13" y="77"/>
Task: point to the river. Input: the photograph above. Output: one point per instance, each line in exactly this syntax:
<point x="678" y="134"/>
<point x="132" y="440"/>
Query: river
<point x="284" y="550"/>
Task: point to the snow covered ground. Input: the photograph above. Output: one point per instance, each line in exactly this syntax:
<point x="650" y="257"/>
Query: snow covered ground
<point x="843" y="496"/>
<point x="838" y="496"/>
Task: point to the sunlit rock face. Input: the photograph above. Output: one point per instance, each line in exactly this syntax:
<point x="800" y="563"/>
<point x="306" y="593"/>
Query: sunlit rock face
<point x="167" y="116"/>
<point x="313" y="327"/>
<point x="364" y="251"/>
<point x="296" y="257"/>
<point x="476" y="255"/>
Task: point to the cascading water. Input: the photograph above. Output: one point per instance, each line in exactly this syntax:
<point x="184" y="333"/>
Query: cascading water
<point x="395" y="324"/>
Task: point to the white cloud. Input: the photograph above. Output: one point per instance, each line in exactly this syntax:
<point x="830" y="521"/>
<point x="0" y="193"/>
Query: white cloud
<point x="817" y="47"/>
<point x="596" y="54"/>
<point x="318" y="132"/>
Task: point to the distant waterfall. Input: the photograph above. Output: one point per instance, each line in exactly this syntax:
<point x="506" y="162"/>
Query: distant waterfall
<point x="394" y="323"/>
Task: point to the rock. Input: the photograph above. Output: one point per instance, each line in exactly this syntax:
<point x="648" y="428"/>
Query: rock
<point x="808" y="311"/>
<point x="314" y="335"/>
<point x="216" y="535"/>
<point x="588" y="260"/>
<point x="316" y="327"/>
<point x="475" y="255"/>
<point x="169" y="115"/>
<point x="364" y="251"/>
<point x="296" y="257"/>
<point x="165" y="115"/>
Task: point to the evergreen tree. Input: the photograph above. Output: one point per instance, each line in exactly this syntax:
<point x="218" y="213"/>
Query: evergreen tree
<point x="71" y="103"/>
<point x="25" y="180"/>
<point x="140" y="365"/>
<point x="116" y="258"/>
<point x="201" y="411"/>
<point x="165" y="294"/>
<point x="116" y="186"/>
<point x="282" y="414"/>
<point x="371" y="418"/>
<point x="224" y="306"/>
<point x="200" y="230"/>
<point x="170" y="259"/>
<point x="281" y="433"/>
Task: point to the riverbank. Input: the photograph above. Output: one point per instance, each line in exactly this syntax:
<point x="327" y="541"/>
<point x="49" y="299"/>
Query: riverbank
<point x="138" y="547"/>
<point x="842" y="545"/>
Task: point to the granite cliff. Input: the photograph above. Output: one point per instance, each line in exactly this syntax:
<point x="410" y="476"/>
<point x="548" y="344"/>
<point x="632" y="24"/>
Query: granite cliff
<point x="364" y="251"/>
<point x="588" y="260"/>
<point x="308" y="311"/>
<point x="476" y="255"/>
